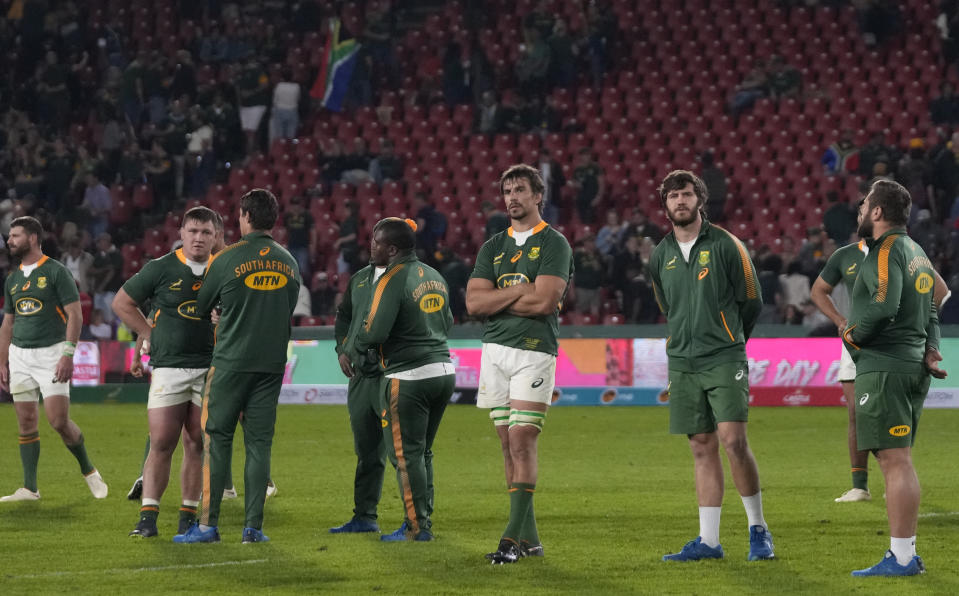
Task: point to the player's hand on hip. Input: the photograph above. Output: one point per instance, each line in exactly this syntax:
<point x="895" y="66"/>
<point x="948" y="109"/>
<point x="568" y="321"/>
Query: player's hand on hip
<point x="933" y="358"/>
<point x="346" y="366"/>
<point x="64" y="370"/>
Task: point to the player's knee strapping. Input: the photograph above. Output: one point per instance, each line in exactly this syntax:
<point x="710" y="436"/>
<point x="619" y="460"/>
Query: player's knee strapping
<point x="500" y="415"/>
<point x="527" y="418"/>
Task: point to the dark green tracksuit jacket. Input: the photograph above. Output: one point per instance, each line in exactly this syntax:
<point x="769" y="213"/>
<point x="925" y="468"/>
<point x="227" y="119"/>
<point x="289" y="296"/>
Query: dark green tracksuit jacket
<point x="407" y="322"/>
<point x="893" y="318"/>
<point x="364" y="398"/>
<point x="711" y="303"/>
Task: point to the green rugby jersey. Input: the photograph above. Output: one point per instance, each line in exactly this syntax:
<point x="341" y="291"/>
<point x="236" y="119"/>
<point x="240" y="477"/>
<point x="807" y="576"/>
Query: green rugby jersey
<point x="181" y="338"/>
<point x="408" y="317"/>
<point x="350" y="316"/>
<point x="893" y="318"/>
<point x="500" y="260"/>
<point x="37" y="300"/>
<point x="257" y="282"/>
<point x="711" y="303"/>
<point x="843" y="265"/>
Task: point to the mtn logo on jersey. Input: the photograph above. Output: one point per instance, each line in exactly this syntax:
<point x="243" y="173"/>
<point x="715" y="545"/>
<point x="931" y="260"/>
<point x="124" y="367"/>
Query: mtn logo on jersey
<point x="511" y="279"/>
<point x="863" y="399"/>
<point x="177" y="285"/>
<point x="924" y="283"/>
<point x="188" y="310"/>
<point x="740" y="374"/>
<point x="900" y="431"/>
<point x="265" y="280"/>
<point x="431" y="303"/>
<point x="28" y="306"/>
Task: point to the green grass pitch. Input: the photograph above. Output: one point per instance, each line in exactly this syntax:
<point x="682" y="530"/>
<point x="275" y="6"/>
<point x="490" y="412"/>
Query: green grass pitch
<point x="615" y="493"/>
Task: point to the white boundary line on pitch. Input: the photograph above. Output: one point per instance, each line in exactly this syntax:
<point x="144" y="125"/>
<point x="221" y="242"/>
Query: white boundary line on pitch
<point x="136" y="570"/>
<point x="939" y="514"/>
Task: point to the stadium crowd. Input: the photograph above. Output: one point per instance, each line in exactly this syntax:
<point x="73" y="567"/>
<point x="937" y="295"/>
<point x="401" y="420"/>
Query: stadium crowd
<point x="118" y="116"/>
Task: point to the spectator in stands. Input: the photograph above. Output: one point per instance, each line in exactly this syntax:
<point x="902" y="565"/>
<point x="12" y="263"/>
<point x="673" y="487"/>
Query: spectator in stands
<point x="481" y="76"/>
<point x="782" y="79"/>
<point x="842" y="157"/>
<point x="496" y="221"/>
<point x="915" y="173"/>
<point x="945" y="108"/>
<point x="563" y="55"/>
<point x="78" y="262"/>
<point x="347" y="243"/>
<point x="356" y="164"/>
<point x="254" y="93"/>
<point x="183" y="80"/>
<point x="301" y="234"/>
<point x="589" y="182"/>
<point x="873" y="152"/>
<point x="457" y="274"/>
<point x="430" y="227"/>
<point x="130" y="168"/>
<point x="542" y="117"/>
<point x="105" y="275"/>
<point x="795" y="287"/>
<point x="532" y="66"/>
<point x="813" y="253"/>
<point x="878" y="20"/>
<point x="285" y="118"/>
<point x="600" y="36"/>
<point x="639" y="225"/>
<point x="631" y="283"/>
<point x="715" y="182"/>
<point x="333" y="162"/>
<point x="53" y="92"/>
<point x="541" y="19"/>
<point x="322" y="295"/>
<point x="553" y="181"/>
<point x="58" y="174"/>
<point x="132" y="93"/>
<point x="489" y="115"/>
<point x="154" y="75"/>
<point x="609" y="237"/>
<point x="753" y="87"/>
<point x="590" y="276"/>
<point x="214" y="47"/>
<point x="96" y="205"/>
<point x="839" y="220"/>
<point x="945" y="171"/>
<point x="377" y="37"/>
<point x="387" y="165"/>
<point x="927" y="233"/>
<point x="455" y="90"/>
<point x="100" y="330"/>
<point x="770" y="267"/>
<point x="815" y="321"/>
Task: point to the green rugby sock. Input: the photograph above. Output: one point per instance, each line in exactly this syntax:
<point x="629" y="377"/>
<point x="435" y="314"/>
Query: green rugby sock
<point x="860" y="478"/>
<point x="528" y="531"/>
<point x="519" y="504"/>
<point x="150" y="512"/>
<point x="80" y="452"/>
<point x="188" y="512"/>
<point x="30" y="456"/>
<point x="146" y="454"/>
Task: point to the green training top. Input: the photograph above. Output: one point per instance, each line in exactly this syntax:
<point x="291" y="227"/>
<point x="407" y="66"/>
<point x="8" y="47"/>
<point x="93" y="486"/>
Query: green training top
<point x="181" y="338"/>
<point x="893" y="318"/>
<point x="501" y="261"/>
<point x="350" y="316"/>
<point x="711" y="303"/>
<point x="843" y="266"/>
<point x="408" y="317"/>
<point x="37" y="300"/>
<point x="257" y="282"/>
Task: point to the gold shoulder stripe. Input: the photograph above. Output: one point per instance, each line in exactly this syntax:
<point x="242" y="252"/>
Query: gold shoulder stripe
<point x="378" y="294"/>
<point x="751" y="292"/>
<point x="884" y="267"/>
<point x="225" y="249"/>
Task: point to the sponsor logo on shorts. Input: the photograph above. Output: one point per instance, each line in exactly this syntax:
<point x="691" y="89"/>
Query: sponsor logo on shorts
<point x="900" y="430"/>
<point x="740" y="374"/>
<point x="704" y="257"/>
<point x="264" y="251"/>
<point x="28" y="306"/>
<point x="42" y="283"/>
<point x="265" y="280"/>
<point x="431" y="303"/>
<point x="516" y="257"/>
<point x="863" y="399"/>
<point x="703" y="273"/>
<point x="537" y="383"/>
<point x="511" y="279"/>
<point x="177" y="285"/>
<point x="534" y="253"/>
<point x="924" y="283"/>
<point x="189" y="310"/>
<point x="671" y="264"/>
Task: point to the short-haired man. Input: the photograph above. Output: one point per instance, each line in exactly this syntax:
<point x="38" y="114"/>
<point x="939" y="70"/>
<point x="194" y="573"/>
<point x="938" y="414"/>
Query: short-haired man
<point x="843" y="266"/>
<point x="518" y="283"/>
<point x="893" y="337"/>
<point x="407" y="322"/>
<point x="180" y="344"/>
<point x="39" y="334"/>
<point x="256" y="281"/>
<point x="707" y="287"/>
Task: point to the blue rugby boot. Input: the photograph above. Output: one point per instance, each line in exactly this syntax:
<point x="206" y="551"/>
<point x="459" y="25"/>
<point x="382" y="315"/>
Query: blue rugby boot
<point x="760" y="544"/>
<point x="695" y="550"/>
<point x="356" y="526"/>
<point x="195" y="534"/>
<point x="890" y="567"/>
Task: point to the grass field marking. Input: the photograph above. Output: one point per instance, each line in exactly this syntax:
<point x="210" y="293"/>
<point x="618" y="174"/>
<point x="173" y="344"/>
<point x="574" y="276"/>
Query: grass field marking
<point x="136" y="570"/>
<point x="939" y="514"/>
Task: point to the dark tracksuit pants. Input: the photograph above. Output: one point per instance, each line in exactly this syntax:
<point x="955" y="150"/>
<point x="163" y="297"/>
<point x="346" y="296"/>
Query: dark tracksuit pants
<point x="413" y="413"/>
<point x="365" y="404"/>
<point x="227" y="394"/>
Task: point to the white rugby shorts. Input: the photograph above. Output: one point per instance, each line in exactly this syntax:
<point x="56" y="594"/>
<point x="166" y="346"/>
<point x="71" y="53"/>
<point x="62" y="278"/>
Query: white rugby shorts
<point x="174" y="386"/>
<point x="31" y="372"/>
<point x="847" y="368"/>
<point x="510" y="373"/>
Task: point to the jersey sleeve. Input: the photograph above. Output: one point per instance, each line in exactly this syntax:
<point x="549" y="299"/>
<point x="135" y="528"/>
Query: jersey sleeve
<point x="66" y="287"/>
<point x="344" y="316"/>
<point x="210" y="290"/>
<point x="556" y="258"/>
<point x="140" y="287"/>
<point x="7" y="298"/>
<point x="384" y="307"/>
<point x="655" y="262"/>
<point x="745" y="282"/>
<point x="483" y="269"/>
<point x="832" y="271"/>
<point x="869" y="322"/>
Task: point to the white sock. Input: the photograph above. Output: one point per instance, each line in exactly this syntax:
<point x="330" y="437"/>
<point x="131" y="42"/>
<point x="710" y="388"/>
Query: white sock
<point x="903" y="548"/>
<point x="190" y="503"/>
<point x="154" y="502"/>
<point x="709" y="525"/>
<point x="754" y="510"/>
